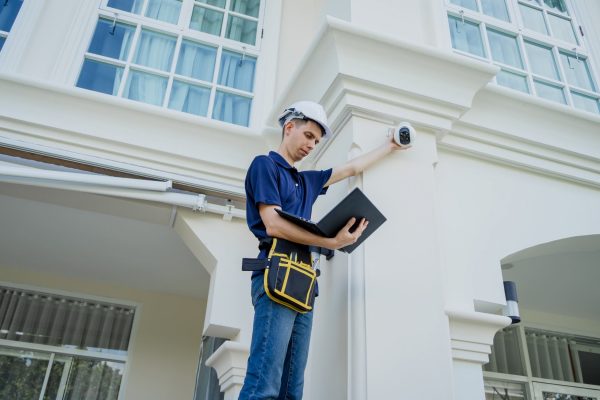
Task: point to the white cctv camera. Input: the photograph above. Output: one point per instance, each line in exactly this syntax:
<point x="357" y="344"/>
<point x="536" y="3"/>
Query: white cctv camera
<point x="404" y="134"/>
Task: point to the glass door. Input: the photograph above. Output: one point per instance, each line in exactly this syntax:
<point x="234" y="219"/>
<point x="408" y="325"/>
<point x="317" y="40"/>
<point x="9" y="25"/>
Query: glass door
<point x="544" y="391"/>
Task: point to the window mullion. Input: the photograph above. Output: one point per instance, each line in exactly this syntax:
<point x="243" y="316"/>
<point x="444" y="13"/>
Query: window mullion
<point x="486" y="43"/>
<point x="213" y="92"/>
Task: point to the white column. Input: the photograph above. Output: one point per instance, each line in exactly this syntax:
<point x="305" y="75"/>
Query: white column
<point x="229" y="361"/>
<point x="471" y="336"/>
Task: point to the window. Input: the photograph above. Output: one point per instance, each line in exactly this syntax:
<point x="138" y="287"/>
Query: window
<point x="535" y="44"/>
<point x="197" y="57"/>
<point x="55" y="346"/>
<point x="526" y="360"/>
<point x="9" y="9"/>
<point x="207" y="382"/>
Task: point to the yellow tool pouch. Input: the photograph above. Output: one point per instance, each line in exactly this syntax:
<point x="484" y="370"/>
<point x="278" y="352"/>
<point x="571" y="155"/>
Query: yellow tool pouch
<point x="289" y="277"/>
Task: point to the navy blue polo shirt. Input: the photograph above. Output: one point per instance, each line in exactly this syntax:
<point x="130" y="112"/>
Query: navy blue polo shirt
<point x="271" y="180"/>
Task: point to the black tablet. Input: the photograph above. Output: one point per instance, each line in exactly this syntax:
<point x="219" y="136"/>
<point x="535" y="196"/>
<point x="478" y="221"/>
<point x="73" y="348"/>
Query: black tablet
<point x="355" y="204"/>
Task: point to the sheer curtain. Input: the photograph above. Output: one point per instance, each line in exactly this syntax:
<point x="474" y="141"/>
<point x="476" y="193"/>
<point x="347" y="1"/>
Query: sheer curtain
<point x="196" y="61"/>
<point x="54" y="320"/>
<point x="189" y="98"/>
<point x="155" y="51"/>
<point x="164" y="10"/>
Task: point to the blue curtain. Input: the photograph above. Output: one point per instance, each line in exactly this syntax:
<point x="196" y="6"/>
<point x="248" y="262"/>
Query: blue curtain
<point x="133" y="6"/>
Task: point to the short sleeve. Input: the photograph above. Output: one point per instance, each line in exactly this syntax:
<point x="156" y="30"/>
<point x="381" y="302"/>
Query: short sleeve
<point x="261" y="182"/>
<point x="316" y="181"/>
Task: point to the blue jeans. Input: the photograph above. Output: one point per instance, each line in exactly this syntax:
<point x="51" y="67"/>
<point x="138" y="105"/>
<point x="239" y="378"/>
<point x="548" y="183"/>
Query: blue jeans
<point x="279" y="349"/>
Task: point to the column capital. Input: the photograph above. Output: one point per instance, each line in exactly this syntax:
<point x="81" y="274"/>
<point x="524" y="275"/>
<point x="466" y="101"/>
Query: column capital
<point x="229" y="361"/>
<point x="472" y="334"/>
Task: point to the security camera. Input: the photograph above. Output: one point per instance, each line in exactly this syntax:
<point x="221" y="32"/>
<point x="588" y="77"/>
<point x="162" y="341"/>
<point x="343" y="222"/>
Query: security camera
<point x="404" y="134"/>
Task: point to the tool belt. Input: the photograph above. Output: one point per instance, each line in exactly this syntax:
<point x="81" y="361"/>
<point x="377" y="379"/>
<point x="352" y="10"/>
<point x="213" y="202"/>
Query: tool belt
<point x="289" y="277"/>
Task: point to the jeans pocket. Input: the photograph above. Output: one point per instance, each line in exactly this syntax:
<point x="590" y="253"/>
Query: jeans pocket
<point x="258" y="289"/>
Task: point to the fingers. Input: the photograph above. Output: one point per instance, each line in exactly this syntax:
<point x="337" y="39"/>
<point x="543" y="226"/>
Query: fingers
<point x="349" y="224"/>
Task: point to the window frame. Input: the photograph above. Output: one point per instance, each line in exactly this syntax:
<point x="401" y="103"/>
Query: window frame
<point x="516" y="28"/>
<point x="528" y="379"/>
<point x="180" y="32"/>
<point x="4" y="34"/>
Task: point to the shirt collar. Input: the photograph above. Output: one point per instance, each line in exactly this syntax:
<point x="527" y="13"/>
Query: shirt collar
<point x="278" y="158"/>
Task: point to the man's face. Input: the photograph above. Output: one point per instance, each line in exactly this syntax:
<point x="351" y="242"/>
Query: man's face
<point x="301" y="137"/>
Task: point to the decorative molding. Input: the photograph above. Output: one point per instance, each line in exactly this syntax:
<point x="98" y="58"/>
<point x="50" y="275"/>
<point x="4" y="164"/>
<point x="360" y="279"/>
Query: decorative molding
<point x="472" y="334"/>
<point x="72" y="49"/>
<point x="229" y="361"/>
<point x="534" y="135"/>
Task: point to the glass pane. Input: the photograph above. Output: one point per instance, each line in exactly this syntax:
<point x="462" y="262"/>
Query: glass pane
<point x="216" y="3"/>
<point x="577" y="71"/>
<point x="232" y="108"/>
<point x="495" y="8"/>
<point x="466" y="36"/>
<point x="189" y="98"/>
<point x="8" y="13"/>
<point x="586" y="103"/>
<point x="471" y="4"/>
<point x="145" y="87"/>
<point x="2" y="40"/>
<point x="94" y="379"/>
<point x="506" y="354"/>
<point x="100" y="77"/>
<point x="22" y="374"/>
<point x="550" y="92"/>
<point x="109" y="42"/>
<point x="248" y="7"/>
<point x="235" y="72"/>
<point x="196" y="61"/>
<point x="541" y="60"/>
<point x="164" y="10"/>
<point x="206" y="20"/>
<point x="589" y="361"/>
<point x="562" y="28"/>
<point x="504" y="48"/>
<point x="155" y="50"/>
<point x="513" y="81"/>
<point x="133" y="6"/>
<point x="496" y="390"/>
<point x="533" y="19"/>
<point x="556" y="5"/>
<point x="241" y="29"/>
<point x="53" y="385"/>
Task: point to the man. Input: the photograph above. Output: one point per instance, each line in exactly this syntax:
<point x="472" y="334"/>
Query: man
<point x="281" y="336"/>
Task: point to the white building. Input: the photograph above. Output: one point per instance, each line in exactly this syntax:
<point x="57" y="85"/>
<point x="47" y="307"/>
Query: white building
<point x="108" y="285"/>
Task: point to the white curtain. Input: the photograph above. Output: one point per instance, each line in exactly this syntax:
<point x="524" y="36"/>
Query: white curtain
<point x="45" y="319"/>
<point x="242" y="30"/>
<point x="549" y="356"/>
<point x="236" y="73"/>
<point x="155" y="50"/>
<point x="164" y="10"/>
<point x="196" y="61"/>
<point x="232" y="108"/>
<point x="248" y="7"/>
<point x="190" y="99"/>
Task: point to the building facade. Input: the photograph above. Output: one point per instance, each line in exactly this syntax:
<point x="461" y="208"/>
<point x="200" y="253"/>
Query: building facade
<point x="126" y="129"/>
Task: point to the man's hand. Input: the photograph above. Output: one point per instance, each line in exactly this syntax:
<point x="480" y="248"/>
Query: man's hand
<point x="344" y="237"/>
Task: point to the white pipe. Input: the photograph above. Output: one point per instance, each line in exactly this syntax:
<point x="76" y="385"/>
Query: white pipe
<point x="88" y="179"/>
<point x="196" y="202"/>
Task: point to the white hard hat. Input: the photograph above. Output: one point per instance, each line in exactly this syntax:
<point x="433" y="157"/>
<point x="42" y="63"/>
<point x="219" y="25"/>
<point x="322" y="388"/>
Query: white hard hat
<point x="306" y="110"/>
